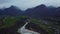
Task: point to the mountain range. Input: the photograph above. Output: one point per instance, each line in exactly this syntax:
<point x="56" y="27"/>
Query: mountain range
<point x="43" y="11"/>
<point x="37" y="12"/>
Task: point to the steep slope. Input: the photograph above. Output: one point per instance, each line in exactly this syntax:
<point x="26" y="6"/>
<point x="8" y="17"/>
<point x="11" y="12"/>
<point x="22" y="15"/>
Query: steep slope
<point x="12" y="11"/>
<point x="39" y="11"/>
<point x="43" y="11"/>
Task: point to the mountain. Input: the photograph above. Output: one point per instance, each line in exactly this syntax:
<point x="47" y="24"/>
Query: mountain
<point x="39" y="11"/>
<point x="57" y="12"/>
<point x="12" y="11"/>
<point x="1" y="12"/>
<point x="44" y="12"/>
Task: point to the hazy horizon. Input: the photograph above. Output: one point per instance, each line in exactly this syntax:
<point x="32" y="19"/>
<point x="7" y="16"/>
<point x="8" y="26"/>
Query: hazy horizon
<point x="24" y="4"/>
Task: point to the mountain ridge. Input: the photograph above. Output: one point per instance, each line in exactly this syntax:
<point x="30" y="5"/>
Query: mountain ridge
<point x="38" y="11"/>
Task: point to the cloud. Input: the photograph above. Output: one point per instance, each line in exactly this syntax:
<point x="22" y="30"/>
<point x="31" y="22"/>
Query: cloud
<point x="24" y="4"/>
<point x="4" y="1"/>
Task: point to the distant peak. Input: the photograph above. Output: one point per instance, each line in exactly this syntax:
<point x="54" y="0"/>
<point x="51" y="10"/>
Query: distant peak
<point x="13" y="6"/>
<point x="42" y="5"/>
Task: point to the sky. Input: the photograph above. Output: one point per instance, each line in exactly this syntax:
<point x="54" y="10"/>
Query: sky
<point x="25" y="4"/>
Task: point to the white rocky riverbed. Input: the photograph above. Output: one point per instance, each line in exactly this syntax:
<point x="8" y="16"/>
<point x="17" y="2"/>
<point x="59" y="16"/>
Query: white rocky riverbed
<point x="22" y="30"/>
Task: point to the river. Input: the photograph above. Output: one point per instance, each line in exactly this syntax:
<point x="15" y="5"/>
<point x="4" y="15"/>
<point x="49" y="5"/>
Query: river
<point x="22" y="30"/>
